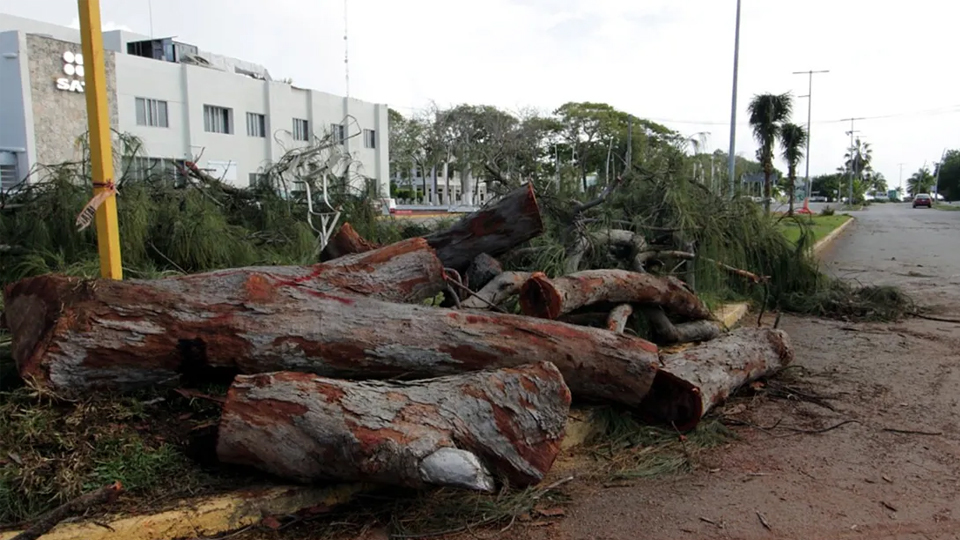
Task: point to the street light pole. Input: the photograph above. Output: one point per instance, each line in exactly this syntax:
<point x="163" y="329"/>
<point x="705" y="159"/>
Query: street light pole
<point x="731" y="158"/>
<point x="809" y="74"/>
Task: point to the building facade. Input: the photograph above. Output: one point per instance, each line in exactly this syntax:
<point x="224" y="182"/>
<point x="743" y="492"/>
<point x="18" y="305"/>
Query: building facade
<point x="184" y="104"/>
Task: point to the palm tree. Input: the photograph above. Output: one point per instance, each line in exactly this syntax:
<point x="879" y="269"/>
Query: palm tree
<point x="920" y="182"/>
<point x="767" y="113"/>
<point x="792" y="139"/>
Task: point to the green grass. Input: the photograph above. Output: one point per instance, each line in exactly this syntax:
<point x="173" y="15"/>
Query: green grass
<point x="947" y="207"/>
<point x="820" y="226"/>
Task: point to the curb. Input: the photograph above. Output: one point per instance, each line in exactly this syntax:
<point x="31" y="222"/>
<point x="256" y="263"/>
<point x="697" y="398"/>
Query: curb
<point x="206" y="516"/>
<point x="210" y="516"/>
<point x="827" y="240"/>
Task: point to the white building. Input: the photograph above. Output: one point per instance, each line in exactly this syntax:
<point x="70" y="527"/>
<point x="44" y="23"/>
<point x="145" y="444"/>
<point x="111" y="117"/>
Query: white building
<point x="183" y="103"/>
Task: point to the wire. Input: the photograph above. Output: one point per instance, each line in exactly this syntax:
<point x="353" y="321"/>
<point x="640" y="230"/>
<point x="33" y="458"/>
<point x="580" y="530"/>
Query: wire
<point x="941" y="110"/>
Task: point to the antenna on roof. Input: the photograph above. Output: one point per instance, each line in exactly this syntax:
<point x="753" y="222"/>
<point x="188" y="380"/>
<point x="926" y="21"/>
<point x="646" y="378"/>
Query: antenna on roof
<point x="346" y="52"/>
<point x="150" y="9"/>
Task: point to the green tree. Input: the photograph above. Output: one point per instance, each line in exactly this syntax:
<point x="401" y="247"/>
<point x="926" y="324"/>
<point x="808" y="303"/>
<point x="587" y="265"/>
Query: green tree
<point x="792" y="138"/>
<point x="920" y="182"/>
<point x="767" y="113"/>
<point x="948" y="172"/>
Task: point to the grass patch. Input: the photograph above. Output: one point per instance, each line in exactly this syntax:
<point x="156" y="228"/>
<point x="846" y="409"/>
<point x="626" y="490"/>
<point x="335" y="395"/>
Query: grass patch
<point x="819" y="226"/>
<point x="627" y="449"/>
<point x="947" y="207"/>
<point x="52" y="451"/>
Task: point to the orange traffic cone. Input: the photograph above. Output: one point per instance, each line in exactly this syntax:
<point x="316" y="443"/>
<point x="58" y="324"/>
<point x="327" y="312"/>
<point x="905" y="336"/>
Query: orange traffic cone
<point x="806" y="207"/>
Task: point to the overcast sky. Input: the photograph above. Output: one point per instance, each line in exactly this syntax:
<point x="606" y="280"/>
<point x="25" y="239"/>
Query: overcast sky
<point x="667" y="60"/>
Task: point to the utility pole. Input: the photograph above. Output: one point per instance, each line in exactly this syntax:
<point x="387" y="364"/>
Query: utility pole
<point x="101" y="153"/>
<point x="732" y="158"/>
<point x="853" y="160"/>
<point x="809" y="96"/>
<point x="936" y="187"/>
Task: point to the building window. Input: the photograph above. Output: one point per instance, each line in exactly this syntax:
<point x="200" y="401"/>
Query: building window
<point x="369" y="138"/>
<point x="217" y="119"/>
<point x="339" y="133"/>
<point x="151" y="112"/>
<point x="301" y="130"/>
<point x="256" y="125"/>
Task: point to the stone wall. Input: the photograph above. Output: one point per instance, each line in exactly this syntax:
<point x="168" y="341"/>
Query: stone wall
<point x="60" y="116"/>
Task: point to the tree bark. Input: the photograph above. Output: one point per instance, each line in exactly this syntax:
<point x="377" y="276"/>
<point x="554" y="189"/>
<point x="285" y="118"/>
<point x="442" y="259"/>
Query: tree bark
<point x="617" y="320"/>
<point x="482" y="270"/>
<point x="668" y="333"/>
<point x="549" y="299"/>
<point x="460" y="430"/>
<point x="691" y="382"/>
<point x="494" y="230"/>
<point x="346" y="242"/>
<point x="497" y="291"/>
<point x="73" y="334"/>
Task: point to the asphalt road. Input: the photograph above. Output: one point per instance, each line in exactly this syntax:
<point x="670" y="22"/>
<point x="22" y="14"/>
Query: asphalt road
<point x="894" y="244"/>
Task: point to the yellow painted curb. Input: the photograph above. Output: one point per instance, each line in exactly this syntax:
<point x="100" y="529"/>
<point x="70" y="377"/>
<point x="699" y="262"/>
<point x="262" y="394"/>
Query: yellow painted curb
<point x="206" y="516"/>
<point x="730" y="314"/>
<point x="825" y="242"/>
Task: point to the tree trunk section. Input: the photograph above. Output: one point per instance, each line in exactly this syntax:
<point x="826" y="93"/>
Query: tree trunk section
<point x="618" y="318"/>
<point x="633" y="243"/>
<point x="345" y="242"/>
<point x="549" y="299"/>
<point x="494" y="230"/>
<point x="498" y="291"/>
<point x="691" y="382"/>
<point x="74" y="335"/>
<point x="460" y="430"/>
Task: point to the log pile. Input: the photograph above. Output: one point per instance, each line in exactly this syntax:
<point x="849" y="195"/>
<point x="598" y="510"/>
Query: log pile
<point x="340" y="370"/>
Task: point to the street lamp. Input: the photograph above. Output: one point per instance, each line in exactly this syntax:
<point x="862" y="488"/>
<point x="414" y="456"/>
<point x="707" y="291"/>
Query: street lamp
<point x="809" y="97"/>
<point x="731" y="158"/>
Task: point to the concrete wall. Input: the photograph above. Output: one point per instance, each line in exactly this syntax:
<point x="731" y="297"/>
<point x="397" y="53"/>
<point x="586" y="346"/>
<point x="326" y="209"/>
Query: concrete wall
<point x="60" y="116"/>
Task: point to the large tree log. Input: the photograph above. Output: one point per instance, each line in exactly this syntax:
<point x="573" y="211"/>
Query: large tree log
<point x="76" y="334"/>
<point x="346" y="241"/>
<point x="690" y="382"/>
<point x="453" y="430"/>
<point x="549" y="299"/>
<point x="493" y="230"/>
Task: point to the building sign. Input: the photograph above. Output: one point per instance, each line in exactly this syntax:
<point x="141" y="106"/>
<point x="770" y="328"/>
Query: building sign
<point x="73" y="68"/>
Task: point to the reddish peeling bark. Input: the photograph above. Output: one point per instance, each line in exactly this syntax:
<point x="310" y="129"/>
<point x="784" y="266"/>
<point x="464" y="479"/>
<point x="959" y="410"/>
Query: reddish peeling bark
<point x="74" y="334"/>
<point x="345" y="242"/>
<point x="551" y="298"/>
<point x="498" y="291"/>
<point x="494" y="230"/>
<point x="618" y="318"/>
<point x="691" y="382"/>
<point x="459" y="430"/>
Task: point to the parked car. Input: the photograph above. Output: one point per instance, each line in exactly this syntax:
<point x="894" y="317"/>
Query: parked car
<point x="923" y="200"/>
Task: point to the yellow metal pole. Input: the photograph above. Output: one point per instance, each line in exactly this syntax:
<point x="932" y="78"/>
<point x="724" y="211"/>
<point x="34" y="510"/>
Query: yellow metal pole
<point x="101" y="153"/>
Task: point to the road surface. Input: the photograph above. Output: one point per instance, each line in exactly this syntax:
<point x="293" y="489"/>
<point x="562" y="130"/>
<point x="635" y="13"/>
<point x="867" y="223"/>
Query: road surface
<point x="894" y="244"/>
<point x="860" y="480"/>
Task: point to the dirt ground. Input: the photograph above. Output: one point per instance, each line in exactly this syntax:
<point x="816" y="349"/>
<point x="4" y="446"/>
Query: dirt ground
<point x="859" y="480"/>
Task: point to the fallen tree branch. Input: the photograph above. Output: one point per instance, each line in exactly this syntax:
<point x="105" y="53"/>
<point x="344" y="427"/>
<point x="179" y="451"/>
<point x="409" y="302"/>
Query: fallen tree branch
<point x="583" y="207"/>
<point x="48" y="521"/>
<point x="634" y="243"/>
<point x="497" y="291"/>
<point x="617" y="320"/>
<point x="668" y="333"/>
<point x="550" y="298"/>
<point x="449" y="431"/>
<point x="685" y="255"/>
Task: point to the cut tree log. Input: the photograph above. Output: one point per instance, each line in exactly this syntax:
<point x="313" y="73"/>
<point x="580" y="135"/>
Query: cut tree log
<point x="345" y="242"/>
<point x="494" y="230"/>
<point x="667" y="332"/>
<point x="498" y="291"/>
<point x="460" y="430"/>
<point x="692" y="381"/>
<point x="73" y="334"/>
<point x="549" y="299"/>
<point x="481" y="271"/>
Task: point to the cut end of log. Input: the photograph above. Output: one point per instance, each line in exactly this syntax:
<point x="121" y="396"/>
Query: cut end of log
<point x="539" y="298"/>
<point x="34" y="306"/>
<point x="346" y="242"/>
<point x="672" y="401"/>
<point x="456" y="468"/>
